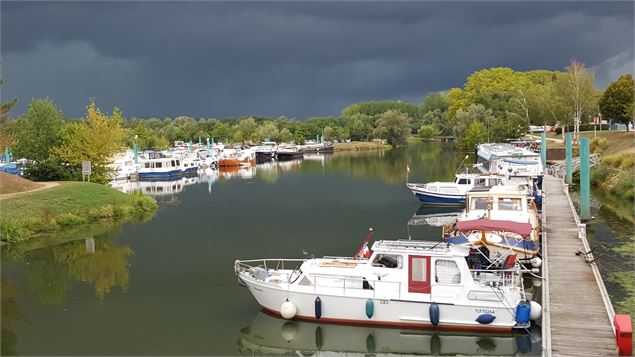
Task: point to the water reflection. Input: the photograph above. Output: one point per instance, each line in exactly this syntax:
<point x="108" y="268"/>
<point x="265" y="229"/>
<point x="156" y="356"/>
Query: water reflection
<point x="11" y="313"/>
<point x="98" y="261"/>
<point x="269" y="335"/>
<point x="425" y="217"/>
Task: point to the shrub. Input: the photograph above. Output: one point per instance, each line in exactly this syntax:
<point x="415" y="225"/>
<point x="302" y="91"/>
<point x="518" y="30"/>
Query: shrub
<point x="143" y="203"/>
<point x="106" y="211"/>
<point x="69" y="219"/>
<point x="598" y="145"/>
<point x="599" y="174"/>
<point x="427" y="132"/>
<point x="12" y="231"/>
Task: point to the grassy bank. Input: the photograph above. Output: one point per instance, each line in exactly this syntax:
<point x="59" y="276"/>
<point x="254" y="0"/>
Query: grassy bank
<point x="615" y="174"/>
<point x="360" y="146"/>
<point x="66" y="205"/>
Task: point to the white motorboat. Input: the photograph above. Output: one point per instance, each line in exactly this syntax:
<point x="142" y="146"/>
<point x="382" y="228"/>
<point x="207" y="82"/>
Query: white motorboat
<point x="452" y="193"/>
<point x="503" y="218"/>
<point x="412" y="284"/>
<point x="510" y="160"/>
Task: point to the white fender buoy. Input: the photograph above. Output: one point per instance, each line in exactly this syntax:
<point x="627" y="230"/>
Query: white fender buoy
<point x="288" y="309"/>
<point x="535" y="262"/>
<point x="536" y="311"/>
<point x="536" y="281"/>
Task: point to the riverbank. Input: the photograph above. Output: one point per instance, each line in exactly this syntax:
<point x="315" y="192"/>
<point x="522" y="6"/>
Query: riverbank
<point x="360" y="146"/>
<point x="65" y="205"/>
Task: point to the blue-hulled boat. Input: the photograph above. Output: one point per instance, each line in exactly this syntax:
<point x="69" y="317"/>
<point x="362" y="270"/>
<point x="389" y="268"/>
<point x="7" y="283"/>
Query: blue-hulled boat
<point x="452" y="193"/>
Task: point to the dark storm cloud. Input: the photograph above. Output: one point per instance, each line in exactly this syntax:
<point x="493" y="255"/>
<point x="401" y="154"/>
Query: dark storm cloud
<point x="215" y="59"/>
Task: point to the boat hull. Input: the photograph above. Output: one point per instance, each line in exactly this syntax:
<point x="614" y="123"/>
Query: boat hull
<point x="289" y="156"/>
<point x="349" y="310"/>
<point x="163" y="175"/>
<point x="440" y="199"/>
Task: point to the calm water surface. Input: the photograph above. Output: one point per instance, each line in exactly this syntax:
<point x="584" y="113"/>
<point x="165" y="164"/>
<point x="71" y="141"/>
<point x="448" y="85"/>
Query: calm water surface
<point x="165" y="286"/>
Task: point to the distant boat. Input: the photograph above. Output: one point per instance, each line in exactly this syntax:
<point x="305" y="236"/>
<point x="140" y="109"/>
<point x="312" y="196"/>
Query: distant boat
<point x="158" y="166"/>
<point x="322" y="148"/>
<point x="511" y="161"/>
<point x="289" y="152"/>
<point x="266" y="151"/>
<point x="238" y="158"/>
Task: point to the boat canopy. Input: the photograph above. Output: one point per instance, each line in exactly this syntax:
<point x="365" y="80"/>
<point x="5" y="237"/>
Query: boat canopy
<point x="522" y="228"/>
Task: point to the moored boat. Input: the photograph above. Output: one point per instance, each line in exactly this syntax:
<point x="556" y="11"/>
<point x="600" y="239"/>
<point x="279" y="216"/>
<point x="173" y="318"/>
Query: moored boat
<point x="452" y="193"/>
<point x="503" y="218"/>
<point x="413" y="284"/>
<point x="289" y="152"/>
<point x="158" y="166"/>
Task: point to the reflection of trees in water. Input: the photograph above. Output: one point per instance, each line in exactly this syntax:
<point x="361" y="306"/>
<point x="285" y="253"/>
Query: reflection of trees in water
<point x="10" y="293"/>
<point x="51" y="269"/>
<point x="104" y="269"/>
<point x="427" y="161"/>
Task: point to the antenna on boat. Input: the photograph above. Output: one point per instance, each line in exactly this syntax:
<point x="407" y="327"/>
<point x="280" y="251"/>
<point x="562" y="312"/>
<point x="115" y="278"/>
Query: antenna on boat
<point x="461" y="164"/>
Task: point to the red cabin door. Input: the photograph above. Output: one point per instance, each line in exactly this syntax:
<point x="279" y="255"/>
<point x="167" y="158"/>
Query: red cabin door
<point x="418" y="274"/>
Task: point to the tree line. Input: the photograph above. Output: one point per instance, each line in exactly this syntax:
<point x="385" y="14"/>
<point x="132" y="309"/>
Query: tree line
<point x="493" y="105"/>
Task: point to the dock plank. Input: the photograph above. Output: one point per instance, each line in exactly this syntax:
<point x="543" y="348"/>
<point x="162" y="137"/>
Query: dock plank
<point x="579" y="322"/>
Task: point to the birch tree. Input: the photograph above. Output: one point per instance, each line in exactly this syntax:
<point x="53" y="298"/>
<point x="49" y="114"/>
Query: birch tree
<point x="577" y="88"/>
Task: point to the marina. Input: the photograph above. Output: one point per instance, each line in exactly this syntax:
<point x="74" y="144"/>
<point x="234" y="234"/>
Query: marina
<point x="282" y="182"/>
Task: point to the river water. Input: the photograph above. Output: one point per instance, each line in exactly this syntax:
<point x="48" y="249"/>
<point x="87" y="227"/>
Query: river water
<point x="164" y="285"/>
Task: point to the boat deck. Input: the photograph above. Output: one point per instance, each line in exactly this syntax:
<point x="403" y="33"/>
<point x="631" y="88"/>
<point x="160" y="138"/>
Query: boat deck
<point x="576" y="320"/>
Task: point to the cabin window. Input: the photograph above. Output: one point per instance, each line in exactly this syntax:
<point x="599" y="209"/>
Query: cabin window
<point x="158" y="165"/>
<point x="509" y="204"/>
<point x="147" y="165"/>
<point x="479" y="203"/>
<point x="433" y="189"/>
<point x="494" y="182"/>
<point x="177" y="162"/>
<point x="173" y="163"/>
<point x="463" y="182"/>
<point x="388" y="261"/>
<point x="448" y="190"/>
<point x="447" y="272"/>
<point x="480" y="182"/>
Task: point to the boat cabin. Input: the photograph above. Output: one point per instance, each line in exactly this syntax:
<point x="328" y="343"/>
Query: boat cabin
<point x="504" y="200"/>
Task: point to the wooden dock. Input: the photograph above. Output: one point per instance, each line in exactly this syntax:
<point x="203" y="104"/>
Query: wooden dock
<point x="577" y="313"/>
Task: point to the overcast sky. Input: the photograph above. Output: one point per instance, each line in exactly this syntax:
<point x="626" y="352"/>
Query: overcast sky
<point x="298" y="59"/>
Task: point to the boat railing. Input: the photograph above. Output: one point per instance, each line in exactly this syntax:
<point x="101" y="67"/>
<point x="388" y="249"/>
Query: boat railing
<point x="272" y="263"/>
<point x="497" y="277"/>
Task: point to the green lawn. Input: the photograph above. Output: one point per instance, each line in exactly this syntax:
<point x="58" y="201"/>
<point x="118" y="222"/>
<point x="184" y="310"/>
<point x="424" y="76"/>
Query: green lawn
<point x="68" y="197"/>
<point x="66" y="205"/>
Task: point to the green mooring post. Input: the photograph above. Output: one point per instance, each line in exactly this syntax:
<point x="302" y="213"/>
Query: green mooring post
<point x="585" y="180"/>
<point x="543" y="149"/>
<point x="569" y="151"/>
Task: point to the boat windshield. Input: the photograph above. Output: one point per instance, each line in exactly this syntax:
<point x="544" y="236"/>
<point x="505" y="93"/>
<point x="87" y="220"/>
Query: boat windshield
<point x="479" y="203"/>
<point x="388" y="261"/>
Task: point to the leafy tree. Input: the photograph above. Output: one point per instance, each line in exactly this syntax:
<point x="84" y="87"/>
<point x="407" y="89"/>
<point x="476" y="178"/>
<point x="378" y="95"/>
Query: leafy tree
<point x="52" y="169"/>
<point x="473" y="113"/>
<point x="380" y="107"/>
<point x="617" y="100"/>
<point x="238" y="136"/>
<point x="39" y="130"/>
<point x="358" y="129"/>
<point x="427" y="132"/>
<point x="393" y="126"/>
<point x="435" y="101"/>
<point x="8" y="105"/>
<point x="247" y="127"/>
<point x="221" y="131"/>
<point x="267" y="131"/>
<point x="576" y="87"/>
<point x="97" y="138"/>
<point x="285" y="135"/>
<point x="476" y="133"/>
<point x="327" y="133"/>
<point x="438" y="119"/>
